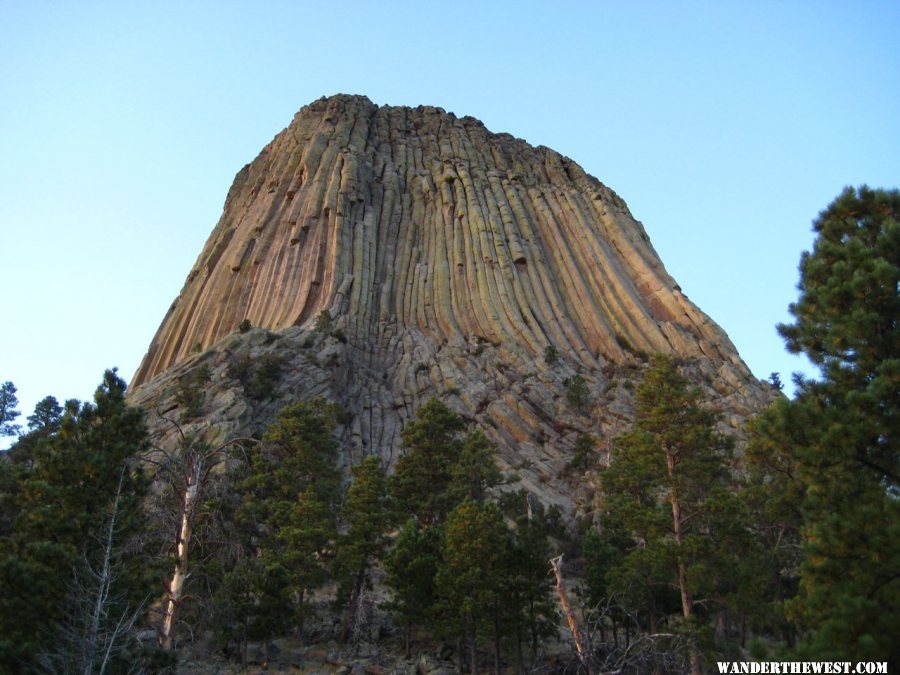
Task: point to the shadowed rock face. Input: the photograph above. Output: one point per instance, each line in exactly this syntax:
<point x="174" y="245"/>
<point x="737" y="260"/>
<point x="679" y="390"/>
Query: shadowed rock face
<point x="451" y="258"/>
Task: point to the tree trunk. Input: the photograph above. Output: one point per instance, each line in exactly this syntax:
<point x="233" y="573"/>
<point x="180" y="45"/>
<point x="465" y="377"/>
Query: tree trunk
<point x="183" y="542"/>
<point x="473" y="649"/>
<point x="532" y="617"/>
<point x="496" y="639"/>
<point x="687" y="603"/>
<point x="104" y="580"/>
<point x="519" y="652"/>
<point x="570" y="615"/>
<point x="350" y="627"/>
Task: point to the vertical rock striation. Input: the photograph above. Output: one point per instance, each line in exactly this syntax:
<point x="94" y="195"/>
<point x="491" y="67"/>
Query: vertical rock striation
<point x="430" y="239"/>
<point x="402" y="218"/>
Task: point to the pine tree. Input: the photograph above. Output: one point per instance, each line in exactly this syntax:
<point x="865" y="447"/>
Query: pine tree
<point x="440" y="472"/>
<point x="423" y="475"/>
<point x="368" y="514"/>
<point x="529" y="612"/>
<point x="8" y="412"/>
<point x="666" y="486"/>
<point x="289" y="498"/>
<point x="474" y="471"/>
<point x="46" y="417"/>
<point x="848" y="459"/>
<point x="76" y="516"/>
<point x="774" y="495"/>
<point x="249" y="604"/>
<point x="473" y="576"/>
<point x="412" y="565"/>
<point x="185" y="478"/>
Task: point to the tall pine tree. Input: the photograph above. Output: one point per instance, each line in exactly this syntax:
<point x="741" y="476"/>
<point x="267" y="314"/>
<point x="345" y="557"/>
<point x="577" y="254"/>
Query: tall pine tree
<point x="69" y="562"/>
<point x="367" y="514"/>
<point x="666" y="486"/>
<point x="423" y="475"/>
<point x="848" y="459"/>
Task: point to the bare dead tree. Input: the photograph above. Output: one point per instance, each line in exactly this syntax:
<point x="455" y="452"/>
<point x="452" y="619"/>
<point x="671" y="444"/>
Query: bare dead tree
<point x="612" y="653"/>
<point x="186" y="473"/>
<point x="556" y="564"/>
<point x="99" y="622"/>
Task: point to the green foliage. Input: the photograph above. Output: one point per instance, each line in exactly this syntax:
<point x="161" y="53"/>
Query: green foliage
<point x="601" y="552"/>
<point x="531" y="615"/>
<point x="8" y="412"/>
<point x="774" y="496"/>
<point x="46" y="417"/>
<point x="250" y="602"/>
<point x="439" y="468"/>
<point x="493" y="581"/>
<point x="239" y="369"/>
<point x="667" y="489"/>
<point x="324" y="321"/>
<point x="189" y="398"/>
<point x="191" y="393"/>
<point x="845" y="319"/>
<point x="273" y="527"/>
<point x="257" y="376"/>
<point x="456" y="567"/>
<point x="475" y="470"/>
<point x="846" y="455"/>
<point x="470" y="578"/>
<point x="423" y="474"/>
<point x="474" y="540"/>
<point x="368" y="514"/>
<point x="288" y="501"/>
<point x="578" y="394"/>
<point x="585" y="455"/>
<point x="551" y="355"/>
<point x="266" y="375"/>
<point x="412" y="566"/>
<point x="75" y="507"/>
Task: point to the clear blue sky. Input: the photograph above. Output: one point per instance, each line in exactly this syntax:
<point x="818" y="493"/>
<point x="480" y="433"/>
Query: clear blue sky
<point x="726" y="127"/>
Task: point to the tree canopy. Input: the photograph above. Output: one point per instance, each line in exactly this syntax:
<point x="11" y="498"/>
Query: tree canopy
<point x="8" y="412"/>
<point x="847" y="456"/>
<point x="71" y="559"/>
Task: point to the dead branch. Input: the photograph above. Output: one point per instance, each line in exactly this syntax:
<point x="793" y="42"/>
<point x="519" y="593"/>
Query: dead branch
<point x="556" y="564"/>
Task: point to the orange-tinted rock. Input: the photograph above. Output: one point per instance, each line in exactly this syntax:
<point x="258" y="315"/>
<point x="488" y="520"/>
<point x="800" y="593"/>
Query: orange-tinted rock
<point x="450" y="258"/>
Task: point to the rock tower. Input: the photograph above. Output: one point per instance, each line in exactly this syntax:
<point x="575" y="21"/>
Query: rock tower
<point x="451" y="261"/>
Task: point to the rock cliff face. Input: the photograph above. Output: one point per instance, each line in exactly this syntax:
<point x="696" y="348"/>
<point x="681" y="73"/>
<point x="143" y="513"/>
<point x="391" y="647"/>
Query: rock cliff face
<point x="449" y="258"/>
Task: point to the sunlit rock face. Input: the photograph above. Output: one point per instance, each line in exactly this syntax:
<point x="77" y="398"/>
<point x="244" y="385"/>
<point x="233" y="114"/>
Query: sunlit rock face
<point x="450" y="258"/>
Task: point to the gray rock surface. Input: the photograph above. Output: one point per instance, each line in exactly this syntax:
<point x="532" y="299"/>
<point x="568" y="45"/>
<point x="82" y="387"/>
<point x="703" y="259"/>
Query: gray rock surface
<point x="450" y="258"/>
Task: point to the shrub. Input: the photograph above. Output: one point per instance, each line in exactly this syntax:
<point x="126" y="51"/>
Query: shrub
<point x="551" y="355"/>
<point x="265" y="377"/>
<point x="584" y="456"/>
<point x="239" y="369"/>
<point x="189" y="398"/>
<point x="258" y="379"/>
<point x="577" y="393"/>
<point x="323" y="321"/>
<point x="190" y="394"/>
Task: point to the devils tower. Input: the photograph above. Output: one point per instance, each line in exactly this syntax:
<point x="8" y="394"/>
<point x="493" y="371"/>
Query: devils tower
<point x="384" y="255"/>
